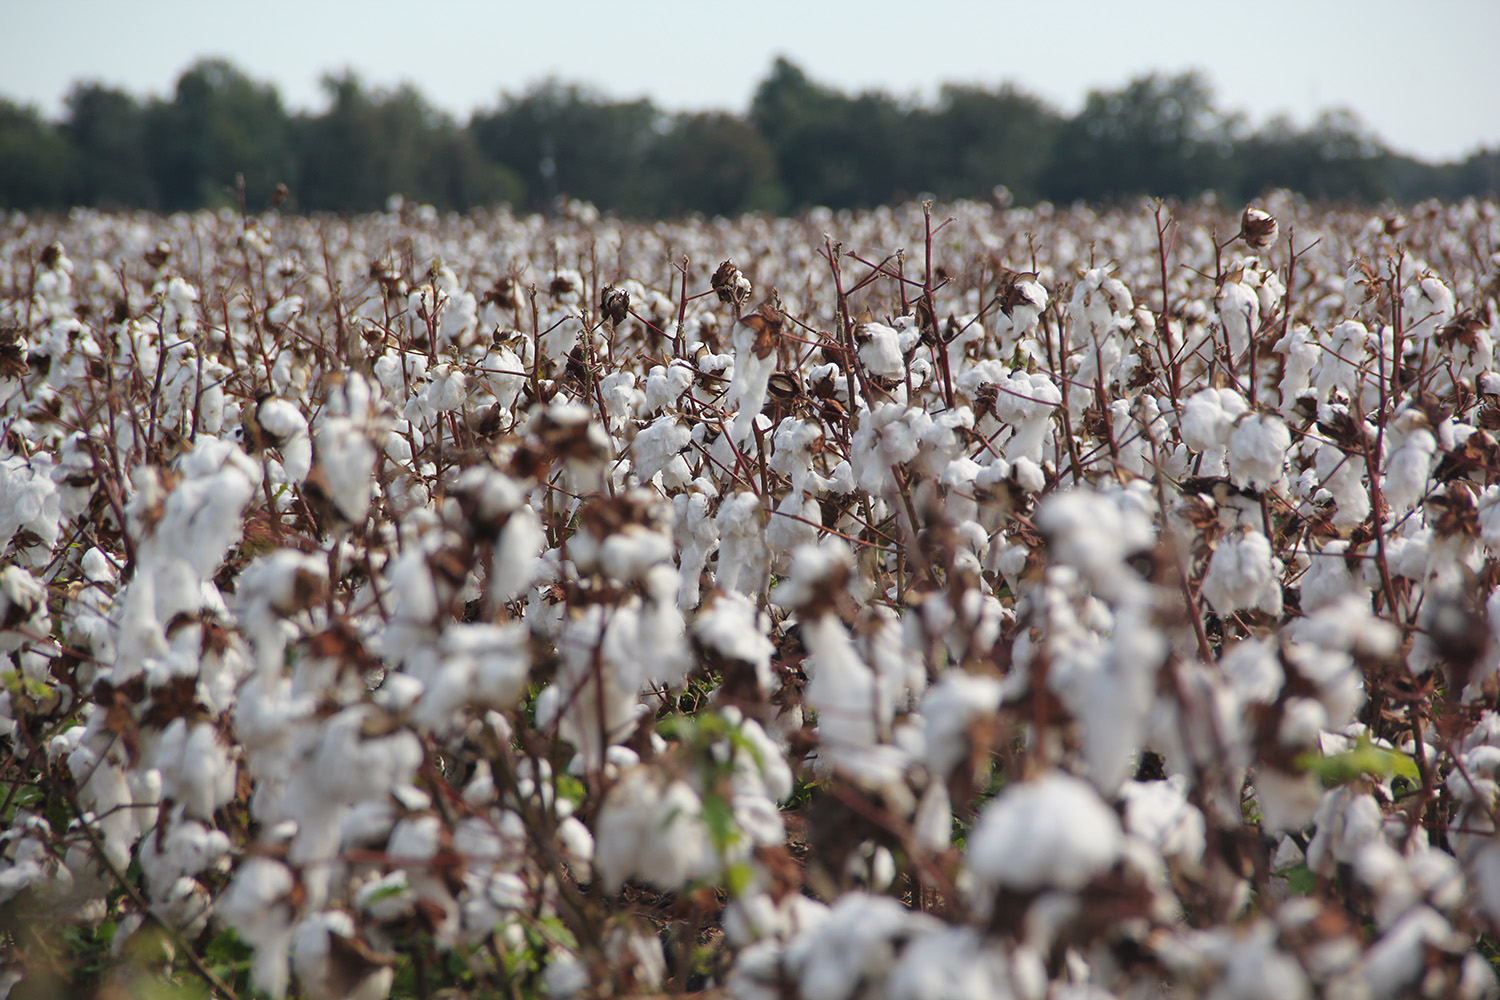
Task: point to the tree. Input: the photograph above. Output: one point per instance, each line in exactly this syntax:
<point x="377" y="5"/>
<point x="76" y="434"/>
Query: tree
<point x="718" y="164"/>
<point x="34" y="160"/>
<point x="566" y="140"/>
<point x="976" y="139"/>
<point x="107" y="130"/>
<point x="220" y="124"/>
<point x="835" y="150"/>
<point x="1336" y="159"/>
<point x="1156" y="136"/>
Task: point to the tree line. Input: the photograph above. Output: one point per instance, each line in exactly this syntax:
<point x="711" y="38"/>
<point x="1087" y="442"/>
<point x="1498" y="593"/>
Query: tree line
<point x="222" y="136"/>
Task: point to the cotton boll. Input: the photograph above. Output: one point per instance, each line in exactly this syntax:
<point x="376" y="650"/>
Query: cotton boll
<point x="950" y="708"/>
<point x="1257" y="454"/>
<point x="1409" y="462"/>
<point x="257" y="906"/>
<point x="857" y="943"/>
<point x="1096" y="534"/>
<point x="665" y="386"/>
<point x="479" y="667"/>
<point x="1239" y="310"/>
<point x="23" y="605"/>
<point x="651" y="828"/>
<point x="1347" y="820"/>
<point x="954" y="963"/>
<point x="196" y="768"/>
<point x="1428" y="306"/>
<point x="1395" y="964"/>
<point x="29" y="503"/>
<point x="1159" y="813"/>
<point x="200" y="518"/>
<point x="794" y="523"/>
<point x="734" y="629"/>
<point x="887" y="436"/>
<point x="1208" y="418"/>
<point x="593" y="703"/>
<point x="744" y="560"/>
<point x="345" y="469"/>
<point x="754" y="341"/>
<point x="880" y="350"/>
<point x="330" y="964"/>
<point x="656" y="444"/>
<point x="1287" y="801"/>
<point x="1259" y="970"/>
<point x="1243" y="574"/>
<point x="697" y="537"/>
<point x="278" y="424"/>
<point x="1052" y="832"/>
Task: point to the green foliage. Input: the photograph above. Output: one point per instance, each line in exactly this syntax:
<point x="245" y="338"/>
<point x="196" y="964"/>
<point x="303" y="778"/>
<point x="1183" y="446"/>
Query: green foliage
<point x="801" y="144"/>
<point x="1300" y="879"/>
<point x="1364" y="758"/>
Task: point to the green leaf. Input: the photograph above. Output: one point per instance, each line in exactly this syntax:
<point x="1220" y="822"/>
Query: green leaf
<point x="1300" y="879"/>
<point x="1365" y="758"/>
<point x="718" y="816"/>
<point x="737" y="878"/>
<point x="386" y="892"/>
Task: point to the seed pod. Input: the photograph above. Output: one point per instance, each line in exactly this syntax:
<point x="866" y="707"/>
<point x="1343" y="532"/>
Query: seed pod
<point x="732" y="287"/>
<point x="1258" y="229"/>
<point x="784" y="386"/>
<point x="766" y="322"/>
<point x="614" y="303"/>
<point x="158" y="255"/>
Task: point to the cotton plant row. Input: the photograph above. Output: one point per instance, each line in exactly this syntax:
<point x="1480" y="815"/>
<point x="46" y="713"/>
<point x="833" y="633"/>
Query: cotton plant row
<point x="915" y="603"/>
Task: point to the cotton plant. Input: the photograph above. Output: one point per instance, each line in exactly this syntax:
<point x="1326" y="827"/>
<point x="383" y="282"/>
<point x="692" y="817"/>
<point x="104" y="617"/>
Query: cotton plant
<point x="1102" y="312"/>
<point x="483" y="613"/>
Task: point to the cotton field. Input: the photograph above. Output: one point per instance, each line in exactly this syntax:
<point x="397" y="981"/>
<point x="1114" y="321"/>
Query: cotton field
<point x="952" y="601"/>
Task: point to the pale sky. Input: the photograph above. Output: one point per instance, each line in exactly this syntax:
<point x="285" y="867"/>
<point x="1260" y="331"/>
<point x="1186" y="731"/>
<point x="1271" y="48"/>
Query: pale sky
<point x="1423" y="76"/>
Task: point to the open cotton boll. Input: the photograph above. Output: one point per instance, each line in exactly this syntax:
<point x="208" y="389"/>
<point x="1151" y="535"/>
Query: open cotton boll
<point x="197" y="771"/>
<point x="1096" y="533"/>
<point x="731" y="626"/>
<point x="796" y="442"/>
<point x="257" y="907"/>
<point x="1243" y="574"/>
<point x="744" y="559"/>
<point x="1207" y="420"/>
<point x="593" y="701"/>
<point x="29" y="503"/>
<point x="651" y="828"/>
<point x="955" y="963"/>
<point x="754" y="363"/>
<point x="347" y="459"/>
<point x="327" y="970"/>
<point x="1159" y="813"/>
<point x="1412" y="452"/>
<point x="794" y="522"/>
<point x="1239" y="310"/>
<point x="1050" y="833"/>
<point x="280" y="425"/>
<point x="886" y="436"/>
<point x="200" y="518"/>
<point x="479" y="667"/>
<point x="1347" y="820"/>
<point x="1427" y="307"/>
<point x="950" y="708"/>
<point x="856" y="944"/>
<point x="658" y="443"/>
<point x="1258" y="449"/>
<point x="665" y="386"/>
<point x="880" y="350"/>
